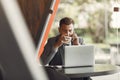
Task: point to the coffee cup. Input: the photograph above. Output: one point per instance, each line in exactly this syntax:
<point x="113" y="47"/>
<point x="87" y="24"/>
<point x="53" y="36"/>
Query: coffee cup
<point x="67" y="40"/>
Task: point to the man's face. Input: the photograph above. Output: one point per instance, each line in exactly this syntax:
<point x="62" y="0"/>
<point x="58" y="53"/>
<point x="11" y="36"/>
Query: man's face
<point x="66" y="30"/>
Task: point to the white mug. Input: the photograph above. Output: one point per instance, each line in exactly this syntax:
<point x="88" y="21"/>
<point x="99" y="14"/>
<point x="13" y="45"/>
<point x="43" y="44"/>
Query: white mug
<point x="67" y="40"/>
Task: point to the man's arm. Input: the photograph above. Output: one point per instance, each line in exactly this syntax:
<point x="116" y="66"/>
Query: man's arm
<point x="48" y="53"/>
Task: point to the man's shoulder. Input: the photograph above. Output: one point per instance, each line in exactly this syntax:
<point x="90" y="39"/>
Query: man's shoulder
<point x="80" y="38"/>
<point x="53" y="38"/>
<point x="81" y="41"/>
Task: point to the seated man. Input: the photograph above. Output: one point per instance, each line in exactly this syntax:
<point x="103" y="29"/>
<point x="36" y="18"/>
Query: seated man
<point x="53" y="53"/>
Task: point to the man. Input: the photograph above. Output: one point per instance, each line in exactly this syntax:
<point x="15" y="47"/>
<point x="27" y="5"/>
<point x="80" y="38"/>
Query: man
<point x="53" y="53"/>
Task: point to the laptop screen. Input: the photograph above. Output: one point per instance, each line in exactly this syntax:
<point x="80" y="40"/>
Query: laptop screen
<point x="82" y="55"/>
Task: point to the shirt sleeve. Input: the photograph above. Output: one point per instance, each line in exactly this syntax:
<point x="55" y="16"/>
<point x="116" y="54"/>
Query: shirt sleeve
<point x="48" y="53"/>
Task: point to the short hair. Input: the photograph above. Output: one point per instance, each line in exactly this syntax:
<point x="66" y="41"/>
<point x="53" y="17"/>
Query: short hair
<point x="66" y="21"/>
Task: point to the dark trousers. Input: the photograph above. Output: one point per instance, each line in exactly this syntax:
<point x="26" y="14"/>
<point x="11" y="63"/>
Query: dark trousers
<point x="55" y="75"/>
<point x="82" y="78"/>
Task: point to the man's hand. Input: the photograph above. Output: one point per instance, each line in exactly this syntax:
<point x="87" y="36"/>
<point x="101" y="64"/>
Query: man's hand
<point x="62" y="39"/>
<point x="75" y="39"/>
<point x="59" y="42"/>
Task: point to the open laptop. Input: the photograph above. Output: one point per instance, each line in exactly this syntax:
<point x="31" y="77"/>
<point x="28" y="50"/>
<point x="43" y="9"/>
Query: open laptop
<point x="76" y="56"/>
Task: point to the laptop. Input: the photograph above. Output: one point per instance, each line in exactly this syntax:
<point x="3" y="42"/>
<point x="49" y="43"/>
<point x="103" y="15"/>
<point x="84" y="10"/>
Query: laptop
<point x="79" y="56"/>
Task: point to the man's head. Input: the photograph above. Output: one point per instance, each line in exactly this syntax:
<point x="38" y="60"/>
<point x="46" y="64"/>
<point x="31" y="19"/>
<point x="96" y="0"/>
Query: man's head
<point x="66" y="26"/>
